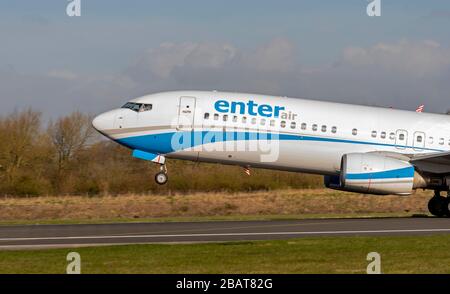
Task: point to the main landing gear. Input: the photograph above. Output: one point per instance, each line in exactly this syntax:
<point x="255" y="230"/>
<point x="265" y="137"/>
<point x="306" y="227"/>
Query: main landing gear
<point x="161" y="177"/>
<point x="439" y="206"/>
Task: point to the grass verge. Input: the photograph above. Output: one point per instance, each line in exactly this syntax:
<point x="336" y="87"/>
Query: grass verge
<point x="278" y="204"/>
<point x="423" y="254"/>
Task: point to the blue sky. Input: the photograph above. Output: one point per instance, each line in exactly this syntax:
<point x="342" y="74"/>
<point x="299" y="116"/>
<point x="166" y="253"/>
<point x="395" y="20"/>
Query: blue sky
<point x="46" y="56"/>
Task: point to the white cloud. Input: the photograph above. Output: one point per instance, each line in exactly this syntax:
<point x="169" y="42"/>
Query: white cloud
<point x="161" y="61"/>
<point x="276" y="56"/>
<point x="165" y="60"/>
<point x="402" y="74"/>
<point x="405" y="57"/>
<point x="63" y="74"/>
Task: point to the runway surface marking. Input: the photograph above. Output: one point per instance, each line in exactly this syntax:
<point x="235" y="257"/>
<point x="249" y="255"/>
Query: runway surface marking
<point x="226" y="234"/>
<point x="234" y="228"/>
<point x="49" y="236"/>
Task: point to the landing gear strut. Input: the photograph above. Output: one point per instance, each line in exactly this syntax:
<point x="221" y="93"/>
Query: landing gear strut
<point x="439" y="206"/>
<point x="161" y="177"/>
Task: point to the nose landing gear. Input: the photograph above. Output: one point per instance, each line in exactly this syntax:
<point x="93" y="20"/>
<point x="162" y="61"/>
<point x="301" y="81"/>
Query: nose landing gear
<point x="439" y="206"/>
<point x="161" y="177"/>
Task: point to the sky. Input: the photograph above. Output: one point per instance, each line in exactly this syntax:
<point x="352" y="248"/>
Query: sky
<point x="326" y="50"/>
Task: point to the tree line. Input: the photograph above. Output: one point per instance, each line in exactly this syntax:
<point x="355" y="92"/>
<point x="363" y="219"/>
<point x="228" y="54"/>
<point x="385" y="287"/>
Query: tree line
<point x="67" y="157"/>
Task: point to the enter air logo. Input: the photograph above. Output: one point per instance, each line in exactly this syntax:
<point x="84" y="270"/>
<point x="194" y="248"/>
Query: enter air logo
<point x="250" y="108"/>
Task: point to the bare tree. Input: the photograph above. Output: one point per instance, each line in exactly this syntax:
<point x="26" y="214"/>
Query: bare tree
<point x="18" y="133"/>
<point x="69" y="135"/>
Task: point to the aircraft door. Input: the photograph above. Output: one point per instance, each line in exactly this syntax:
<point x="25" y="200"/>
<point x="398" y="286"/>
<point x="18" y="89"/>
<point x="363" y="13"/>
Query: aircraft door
<point x="186" y="113"/>
<point x="419" y="141"/>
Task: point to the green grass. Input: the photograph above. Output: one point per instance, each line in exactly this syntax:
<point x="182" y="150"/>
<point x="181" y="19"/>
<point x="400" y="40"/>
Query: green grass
<point x="422" y="254"/>
<point x="207" y="218"/>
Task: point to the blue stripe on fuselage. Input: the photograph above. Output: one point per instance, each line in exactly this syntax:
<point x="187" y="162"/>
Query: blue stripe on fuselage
<point x="163" y="143"/>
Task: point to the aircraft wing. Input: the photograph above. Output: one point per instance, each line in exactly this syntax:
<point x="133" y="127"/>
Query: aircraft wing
<point x="435" y="163"/>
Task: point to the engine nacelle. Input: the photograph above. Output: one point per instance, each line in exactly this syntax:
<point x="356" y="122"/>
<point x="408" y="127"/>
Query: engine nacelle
<point x="375" y="174"/>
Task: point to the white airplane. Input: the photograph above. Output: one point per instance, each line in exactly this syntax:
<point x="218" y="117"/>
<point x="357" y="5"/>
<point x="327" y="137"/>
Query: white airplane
<point x="362" y="149"/>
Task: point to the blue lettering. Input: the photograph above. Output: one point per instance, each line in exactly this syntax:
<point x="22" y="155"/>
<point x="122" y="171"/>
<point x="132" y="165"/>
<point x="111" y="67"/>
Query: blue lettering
<point x="265" y="110"/>
<point x="251" y="105"/>
<point x="277" y="111"/>
<point x="241" y="107"/>
<point x="250" y="108"/>
<point x="222" y="106"/>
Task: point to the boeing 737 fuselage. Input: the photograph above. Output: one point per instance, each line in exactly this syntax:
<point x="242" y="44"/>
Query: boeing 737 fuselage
<point x="360" y="149"/>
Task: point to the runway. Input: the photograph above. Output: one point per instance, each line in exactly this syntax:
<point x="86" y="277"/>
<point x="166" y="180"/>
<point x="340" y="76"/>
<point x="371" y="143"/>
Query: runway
<point x="47" y="236"/>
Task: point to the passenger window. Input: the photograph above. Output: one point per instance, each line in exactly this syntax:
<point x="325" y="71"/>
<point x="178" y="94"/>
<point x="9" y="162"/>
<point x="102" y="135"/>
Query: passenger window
<point x="216" y="116"/>
<point x="324" y="128"/>
<point x="254" y="121"/>
<point x="419" y="139"/>
<point x="225" y="117"/>
<point x="374" y="134"/>
<point x="235" y="118"/>
<point x="293" y="125"/>
<point x="244" y="120"/>
<point x="304" y="126"/>
<point x="283" y="124"/>
<point x="272" y="123"/>
<point x="206" y="115"/>
<point x="263" y="122"/>
<point x="314" y="127"/>
<point x="354" y="132"/>
<point x="383" y="135"/>
<point x="392" y="136"/>
<point x="401" y="137"/>
<point x="431" y="140"/>
<point x="334" y="130"/>
<point x="441" y="141"/>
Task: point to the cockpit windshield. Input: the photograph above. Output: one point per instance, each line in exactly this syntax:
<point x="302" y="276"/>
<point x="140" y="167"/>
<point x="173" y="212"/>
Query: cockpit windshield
<point x="138" y="107"/>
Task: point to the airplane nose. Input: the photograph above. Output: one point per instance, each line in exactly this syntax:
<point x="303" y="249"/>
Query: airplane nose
<point x="104" y="121"/>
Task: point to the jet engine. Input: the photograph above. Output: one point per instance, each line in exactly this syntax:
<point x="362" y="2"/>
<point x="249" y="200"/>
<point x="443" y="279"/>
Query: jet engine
<point x="376" y="174"/>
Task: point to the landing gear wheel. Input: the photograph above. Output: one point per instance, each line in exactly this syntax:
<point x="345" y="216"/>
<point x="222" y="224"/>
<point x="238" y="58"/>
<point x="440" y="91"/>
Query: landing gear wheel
<point x="447" y="207"/>
<point x="161" y="178"/>
<point x="438" y="206"/>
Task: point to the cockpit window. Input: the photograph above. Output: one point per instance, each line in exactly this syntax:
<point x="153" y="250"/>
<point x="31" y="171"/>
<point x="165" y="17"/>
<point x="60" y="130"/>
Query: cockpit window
<point x="146" y="107"/>
<point x="138" y="107"/>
